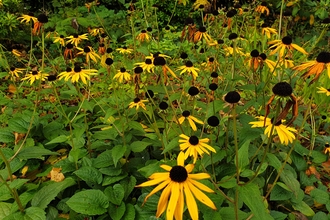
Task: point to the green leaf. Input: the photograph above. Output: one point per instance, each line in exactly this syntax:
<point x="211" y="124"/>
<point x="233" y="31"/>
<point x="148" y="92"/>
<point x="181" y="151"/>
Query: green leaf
<point x="279" y="193"/>
<point x="89" y="202"/>
<point x="52" y="130"/>
<point x="103" y="160"/>
<point x="115" y="193"/>
<point x="112" y="179"/>
<point x="130" y="212"/>
<point x="89" y="174"/>
<point x="274" y="161"/>
<point x="170" y="146"/>
<point x="319" y="157"/>
<point x="34" y="152"/>
<point x="46" y="194"/>
<point x="278" y="215"/>
<point x="250" y="195"/>
<point x="320" y="216"/>
<point x="320" y="196"/>
<point x="303" y="208"/>
<point x="6" y="136"/>
<point x="138" y="146"/>
<point x="18" y="125"/>
<point x="117" y="153"/>
<point x="116" y="212"/>
<point x="229" y="213"/>
<point x="34" y="213"/>
<point x="59" y="139"/>
<point x="290" y="181"/>
<point x="128" y="184"/>
<point x="17" y="183"/>
<point x="4" y="209"/>
<point x="243" y="156"/>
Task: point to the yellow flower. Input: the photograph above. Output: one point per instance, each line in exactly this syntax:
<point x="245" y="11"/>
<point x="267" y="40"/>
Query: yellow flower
<point x="324" y="90"/>
<point x="89" y="52"/>
<point x="179" y="184"/>
<point x="316" y="67"/>
<point x="195" y="146"/>
<point x="191" y="119"/>
<point x="284" y="133"/>
<point x="204" y="3"/>
<point x="59" y="40"/>
<point x="327" y="148"/>
<point x="137" y="103"/>
<point x="143" y="36"/>
<point x="27" y="18"/>
<point x="268" y="31"/>
<point x="147" y="65"/>
<point x="189" y="68"/>
<point x="202" y="34"/>
<point x="96" y="31"/>
<point x="17" y="53"/>
<point x="76" y="39"/>
<point x="76" y="74"/>
<point x="122" y="75"/>
<point x="286" y="62"/>
<point x="124" y="50"/>
<point x="230" y="50"/>
<point x="285" y="43"/>
<point x="15" y="71"/>
<point x="269" y="63"/>
<point x="35" y="75"/>
<point x="262" y="8"/>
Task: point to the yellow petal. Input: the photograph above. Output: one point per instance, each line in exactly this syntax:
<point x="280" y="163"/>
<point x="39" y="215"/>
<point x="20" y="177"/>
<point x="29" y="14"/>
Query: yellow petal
<point x="192" y="206"/>
<point x="175" y="193"/>
<point x="201" y="186"/>
<point x="201" y="196"/>
<point x="163" y="200"/>
<point x="180" y="159"/>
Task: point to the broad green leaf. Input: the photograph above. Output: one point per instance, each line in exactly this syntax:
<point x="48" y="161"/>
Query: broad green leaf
<point x="112" y="179"/>
<point x="229" y="213"/>
<point x="278" y="215"/>
<point x="274" y="161"/>
<point x="52" y="130"/>
<point x="89" y="202"/>
<point x="116" y="212"/>
<point x="320" y="216"/>
<point x="103" y="160"/>
<point x="278" y="194"/>
<point x="18" y="125"/>
<point x="128" y="184"/>
<point x="34" y="213"/>
<point x="115" y="193"/>
<point x="290" y="181"/>
<point x="17" y="183"/>
<point x="129" y="212"/>
<point x="170" y="146"/>
<point x="319" y="157"/>
<point x="320" y="196"/>
<point x="117" y="153"/>
<point x="243" y="156"/>
<point x="25" y="198"/>
<point x="59" y="139"/>
<point x="303" y="208"/>
<point x="250" y="195"/>
<point x="6" y="136"/>
<point x="46" y="194"/>
<point x="34" y="152"/>
<point x="89" y="174"/>
<point x="136" y="125"/>
<point x="4" y="209"/>
<point x="138" y="146"/>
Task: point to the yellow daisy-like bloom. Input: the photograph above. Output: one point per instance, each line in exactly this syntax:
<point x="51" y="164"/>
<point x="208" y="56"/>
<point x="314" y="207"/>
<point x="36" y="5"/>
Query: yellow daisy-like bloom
<point x="286" y="62"/>
<point x="27" y="19"/>
<point x="198" y="3"/>
<point x="15" y="71"/>
<point x="34" y="76"/>
<point x="263" y="8"/>
<point x="89" y="52"/>
<point x="195" y="146"/>
<point x="324" y="90"/>
<point x="17" y="53"/>
<point x="202" y="34"/>
<point x="189" y="68"/>
<point x="285" y="43"/>
<point x="124" y="50"/>
<point x="96" y="31"/>
<point x="143" y="36"/>
<point x="269" y="63"/>
<point x="327" y="148"/>
<point x="179" y="184"/>
<point x="76" y="74"/>
<point x="146" y="66"/>
<point x="60" y="40"/>
<point x="316" y="67"/>
<point x="230" y="51"/>
<point x="122" y="75"/>
<point x="76" y="39"/>
<point x="268" y="31"/>
<point x="191" y="119"/>
<point x="137" y="103"/>
<point x="284" y="133"/>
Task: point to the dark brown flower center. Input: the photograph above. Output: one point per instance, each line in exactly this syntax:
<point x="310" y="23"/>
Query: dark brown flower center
<point x="323" y="57"/>
<point x="214" y="75"/>
<point x="163" y="105"/>
<point x="178" y="174"/>
<point x="136" y="100"/>
<point x="254" y="53"/>
<point x="213" y="121"/>
<point x="12" y="68"/>
<point x="189" y="63"/>
<point x="122" y="70"/>
<point x="193" y="91"/>
<point x="148" y="61"/>
<point x="68" y="69"/>
<point x="87" y="50"/>
<point x="193" y="140"/>
<point x="75" y="35"/>
<point x="282" y="89"/>
<point x="277" y="123"/>
<point x="202" y="29"/>
<point x="213" y="86"/>
<point x="186" y="113"/>
<point x="232" y="97"/>
<point x="232" y="36"/>
<point x="109" y="61"/>
<point x="287" y="40"/>
<point x="77" y="69"/>
<point x="34" y="72"/>
<point x="138" y="70"/>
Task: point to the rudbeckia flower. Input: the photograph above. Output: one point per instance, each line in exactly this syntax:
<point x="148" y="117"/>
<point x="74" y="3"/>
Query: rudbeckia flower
<point x="285" y="43"/>
<point x="122" y="75"/>
<point x="178" y="185"/>
<point x="60" y="40"/>
<point x="324" y="90"/>
<point x="124" y="50"/>
<point x="146" y="65"/>
<point x="269" y="63"/>
<point x="284" y="133"/>
<point x="194" y="146"/>
<point x="189" y="68"/>
<point x="28" y="18"/>
<point x="316" y="67"/>
<point x="191" y="119"/>
<point x="268" y="31"/>
<point x="76" y="39"/>
<point x="201" y="4"/>
<point x="42" y="19"/>
<point x="89" y="53"/>
<point x="76" y="74"/>
<point x="96" y="31"/>
<point x="202" y="34"/>
<point x="68" y="53"/>
<point x="35" y="75"/>
<point x="137" y="103"/>
<point x="143" y="36"/>
<point x="15" y="71"/>
<point x="327" y="148"/>
<point x="286" y="62"/>
<point x="262" y="8"/>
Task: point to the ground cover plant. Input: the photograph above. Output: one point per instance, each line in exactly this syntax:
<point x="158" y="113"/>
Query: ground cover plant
<point x="164" y="109"/>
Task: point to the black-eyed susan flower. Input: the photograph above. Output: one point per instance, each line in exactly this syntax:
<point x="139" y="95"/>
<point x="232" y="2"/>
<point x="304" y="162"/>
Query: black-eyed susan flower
<point x="101" y="49"/>
<point x="285" y="133"/>
<point x="122" y="75"/>
<point x="60" y="39"/>
<point x="188" y="30"/>
<point x="89" y="53"/>
<point x="42" y="19"/>
<point x="195" y="146"/>
<point x="34" y="76"/>
<point x="143" y="36"/>
<point x="91" y="4"/>
<point x="285" y="44"/>
<point x="202" y="34"/>
<point x="191" y="119"/>
<point x="285" y="62"/>
<point x="178" y="185"/>
<point x="268" y="31"/>
<point x="315" y="67"/>
<point x="14" y="72"/>
<point x="68" y="52"/>
<point x="323" y="90"/>
<point x="254" y="61"/>
<point x="213" y="121"/>
<point x="160" y="61"/>
<point x="232" y="97"/>
<point x="190" y="69"/>
<point x="17" y="53"/>
<point x="137" y="103"/>
<point x="96" y="31"/>
<point x="28" y="18"/>
<point x="211" y="64"/>
<point x="201" y="4"/>
<point x="327" y="148"/>
<point x="230" y="50"/>
<point x="269" y="63"/>
<point x="76" y="39"/>
<point x="124" y="50"/>
<point x="163" y="105"/>
<point x="76" y="74"/>
<point x="262" y="8"/>
<point x="193" y="91"/>
<point x="147" y="65"/>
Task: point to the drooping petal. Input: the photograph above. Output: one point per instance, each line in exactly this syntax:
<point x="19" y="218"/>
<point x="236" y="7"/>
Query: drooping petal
<point x="192" y="124"/>
<point x="156" y="189"/>
<point x="163" y="200"/>
<point x="192" y="206"/>
<point x="201" y="186"/>
<point x="175" y="193"/>
<point x="180" y="205"/>
<point x="189" y="167"/>
<point x="300" y="49"/>
<point x="201" y="196"/>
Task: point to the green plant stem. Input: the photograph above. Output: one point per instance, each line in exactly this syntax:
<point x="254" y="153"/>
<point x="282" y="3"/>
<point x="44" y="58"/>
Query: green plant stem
<point x="281" y="18"/>
<point x="236" y="159"/>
